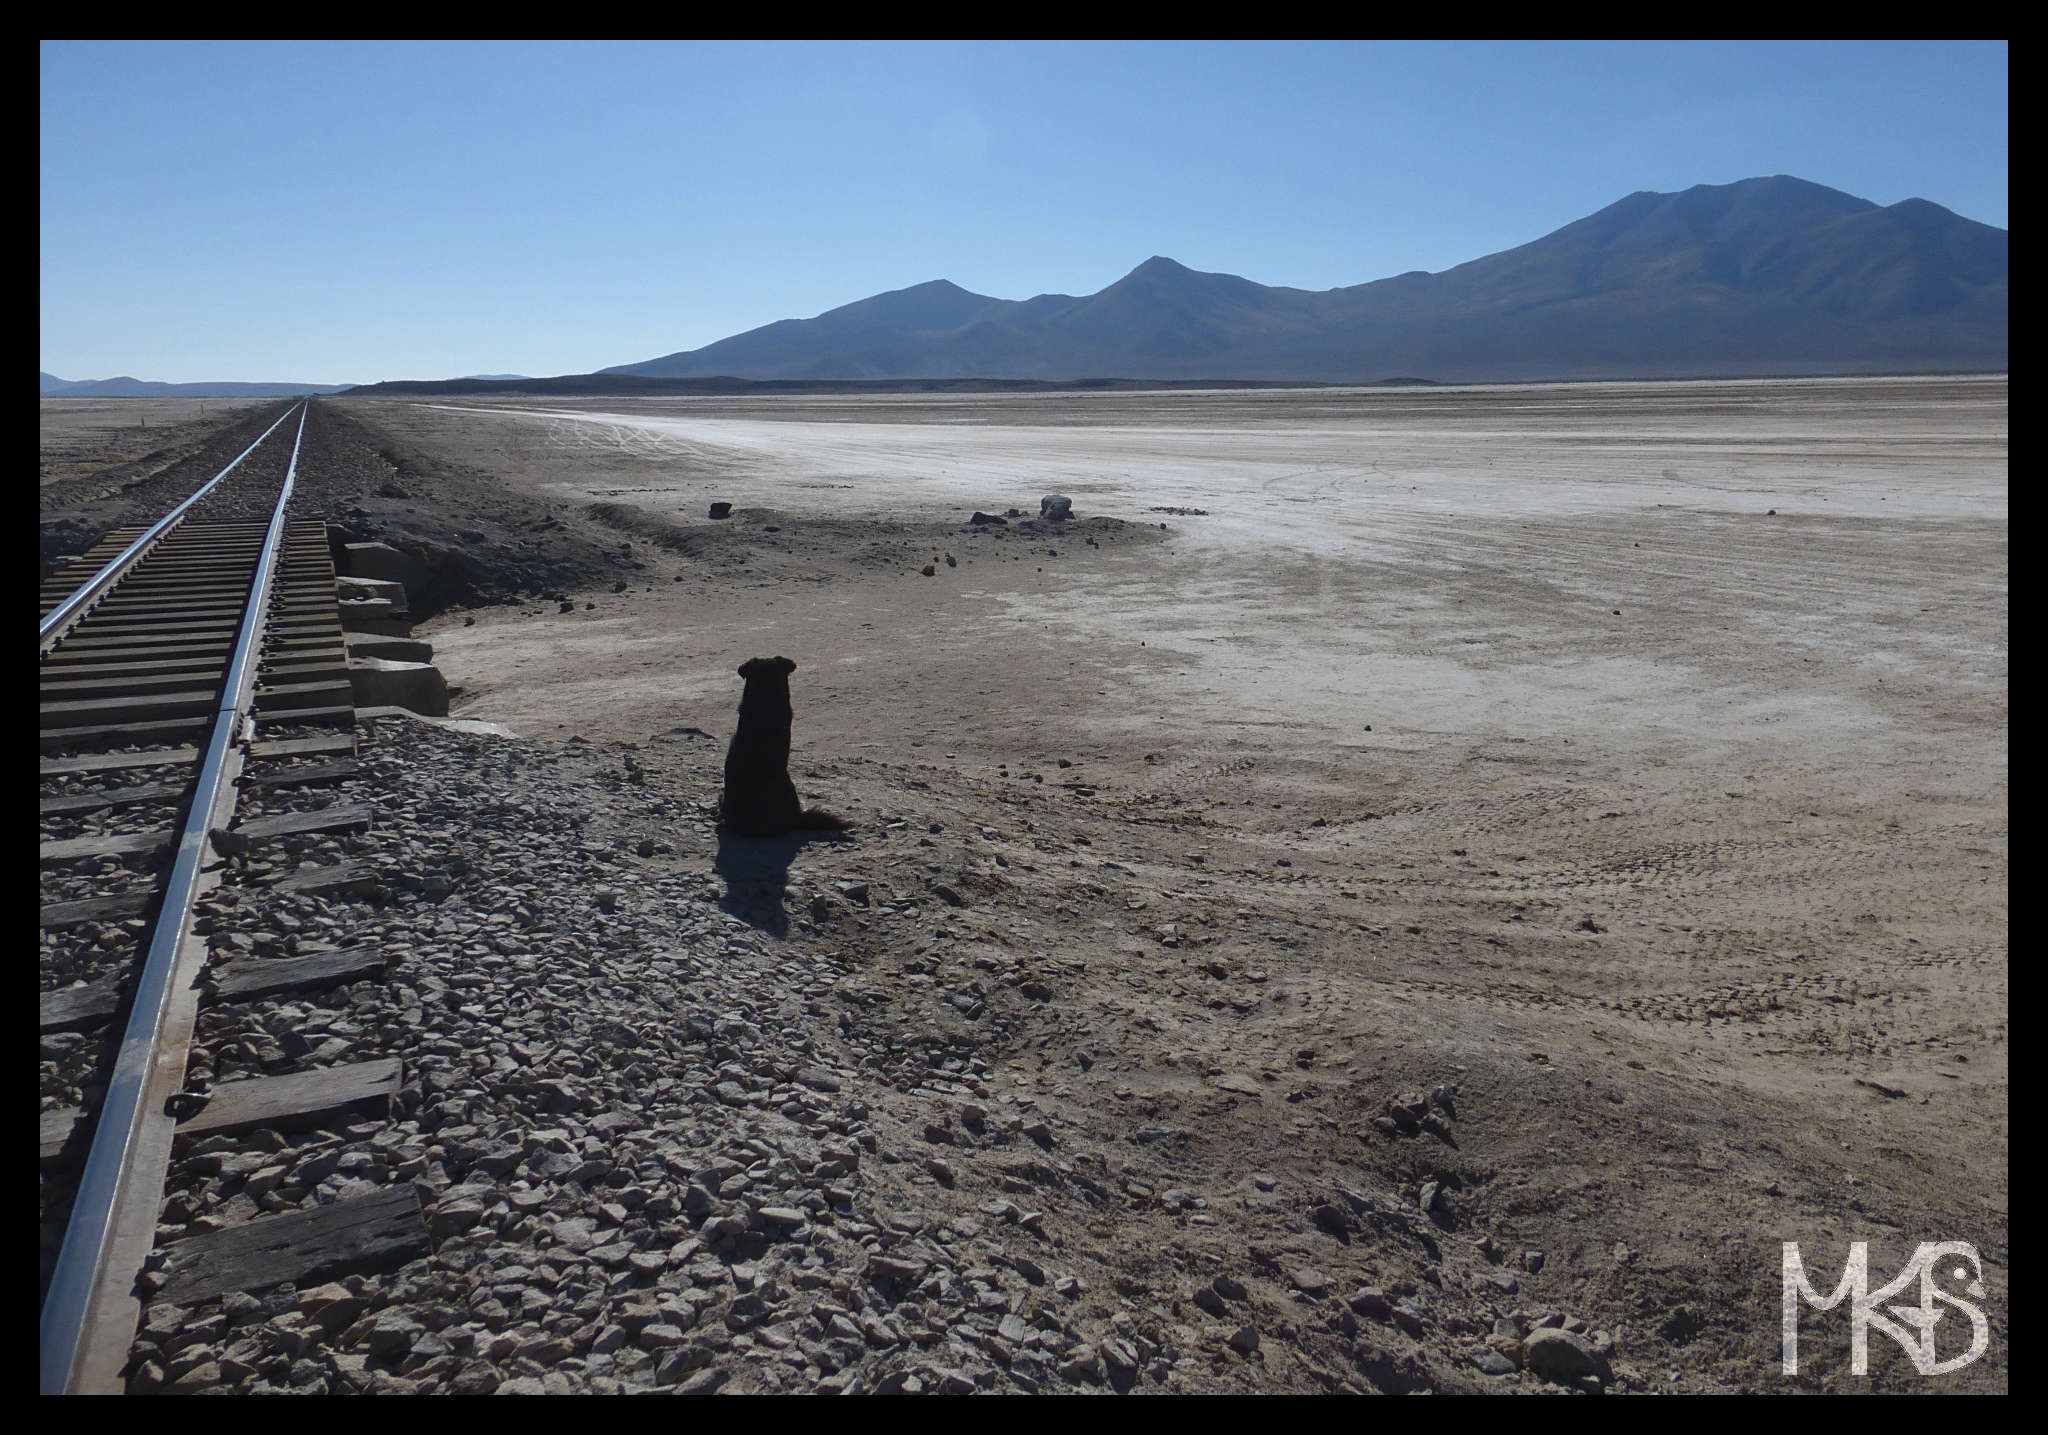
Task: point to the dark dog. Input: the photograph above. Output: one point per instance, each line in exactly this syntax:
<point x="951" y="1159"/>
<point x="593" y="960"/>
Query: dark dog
<point x="760" y="800"/>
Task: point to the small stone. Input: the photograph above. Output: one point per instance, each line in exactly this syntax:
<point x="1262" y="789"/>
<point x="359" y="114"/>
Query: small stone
<point x="1330" y="1219"/>
<point x="905" y="1270"/>
<point x="1492" y="1362"/>
<point x="1309" y="1281"/>
<point x="206" y="1373"/>
<point x="661" y="1336"/>
<point x="1371" y="1302"/>
<point x="1245" y="1340"/>
<point x="1230" y="1288"/>
<point x="1083" y="1363"/>
<point x="475" y="1378"/>
<point x="746" y="1312"/>
<point x="392" y="1333"/>
<point x="577" y="1235"/>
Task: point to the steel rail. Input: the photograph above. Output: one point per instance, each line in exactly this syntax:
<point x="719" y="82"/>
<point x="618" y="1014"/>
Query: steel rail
<point x="106" y="1182"/>
<point x="61" y="617"/>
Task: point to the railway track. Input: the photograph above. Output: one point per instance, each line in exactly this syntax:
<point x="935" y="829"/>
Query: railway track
<point x="185" y="665"/>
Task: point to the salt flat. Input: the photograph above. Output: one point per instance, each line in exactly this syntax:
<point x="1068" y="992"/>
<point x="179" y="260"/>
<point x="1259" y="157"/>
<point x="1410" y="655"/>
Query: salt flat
<point x="1507" y="734"/>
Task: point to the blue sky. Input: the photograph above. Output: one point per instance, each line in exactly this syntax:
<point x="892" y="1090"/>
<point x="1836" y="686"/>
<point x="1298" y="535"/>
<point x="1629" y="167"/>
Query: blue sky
<point x="348" y="212"/>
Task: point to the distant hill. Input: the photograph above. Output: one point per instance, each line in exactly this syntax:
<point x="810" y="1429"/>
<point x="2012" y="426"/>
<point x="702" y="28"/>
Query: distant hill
<point x="627" y="385"/>
<point x="1764" y="276"/>
<point x="127" y="388"/>
<point x="494" y="376"/>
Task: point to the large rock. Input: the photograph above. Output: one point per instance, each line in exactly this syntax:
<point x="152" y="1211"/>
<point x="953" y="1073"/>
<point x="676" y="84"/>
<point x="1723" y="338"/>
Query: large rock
<point x="381" y="682"/>
<point x="1559" y="1355"/>
<point x="381" y="560"/>
<point x="1056" y="506"/>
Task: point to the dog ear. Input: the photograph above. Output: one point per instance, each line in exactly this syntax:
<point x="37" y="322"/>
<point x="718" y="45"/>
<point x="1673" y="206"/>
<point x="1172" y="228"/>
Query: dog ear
<point x="753" y="668"/>
<point x="785" y="664"/>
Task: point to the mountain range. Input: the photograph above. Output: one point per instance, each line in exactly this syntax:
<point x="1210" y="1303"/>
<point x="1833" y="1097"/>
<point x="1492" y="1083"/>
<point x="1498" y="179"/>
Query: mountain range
<point x="1764" y="276"/>
<point x="127" y="388"/>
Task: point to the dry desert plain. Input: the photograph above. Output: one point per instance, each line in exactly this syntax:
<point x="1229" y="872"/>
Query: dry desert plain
<point x="1498" y="743"/>
<point x="125" y="437"/>
<point x="1500" y="739"/>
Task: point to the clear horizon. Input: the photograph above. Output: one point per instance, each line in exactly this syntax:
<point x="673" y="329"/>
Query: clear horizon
<point x="351" y="212"/>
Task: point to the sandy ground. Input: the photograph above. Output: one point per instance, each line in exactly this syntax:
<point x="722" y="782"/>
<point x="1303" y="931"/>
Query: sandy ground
<point x="89" y="436"/>
<point x="1496" y="738"/>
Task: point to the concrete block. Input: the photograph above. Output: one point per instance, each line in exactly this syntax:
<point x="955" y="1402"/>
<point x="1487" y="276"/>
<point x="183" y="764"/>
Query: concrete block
<point x="381" y="560"/>
<point x="357" y="613"/>
<point x="417" y="687"/>
<point x="353" y="588"/>
<point x="385" y="627"/>
<point x="400" y="650"/>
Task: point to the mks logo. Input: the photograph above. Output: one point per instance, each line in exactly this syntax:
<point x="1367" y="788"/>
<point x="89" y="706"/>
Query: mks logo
<point x="1914" y="1326"/>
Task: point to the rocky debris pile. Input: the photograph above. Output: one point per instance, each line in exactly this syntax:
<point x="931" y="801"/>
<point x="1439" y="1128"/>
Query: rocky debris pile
<point x="649" y="1163"/>
<point x="661" y="1151"/>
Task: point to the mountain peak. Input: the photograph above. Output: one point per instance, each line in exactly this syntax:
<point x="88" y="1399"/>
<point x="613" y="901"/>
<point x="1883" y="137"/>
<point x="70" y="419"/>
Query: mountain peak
<point x="1769" y="274"/>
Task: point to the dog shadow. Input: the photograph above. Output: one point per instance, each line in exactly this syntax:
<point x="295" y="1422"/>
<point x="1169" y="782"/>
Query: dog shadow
<point x="756" y="874"/>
